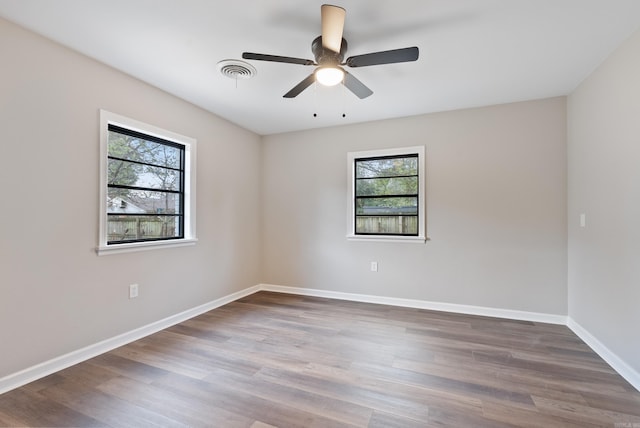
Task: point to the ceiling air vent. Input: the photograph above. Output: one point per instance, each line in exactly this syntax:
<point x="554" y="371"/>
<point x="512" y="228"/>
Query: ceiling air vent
<point x="236" y="69"/>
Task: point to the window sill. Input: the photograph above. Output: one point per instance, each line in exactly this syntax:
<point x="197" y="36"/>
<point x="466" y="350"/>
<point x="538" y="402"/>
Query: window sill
<point x="143" y="246"/>
<point x="382" y="238"/>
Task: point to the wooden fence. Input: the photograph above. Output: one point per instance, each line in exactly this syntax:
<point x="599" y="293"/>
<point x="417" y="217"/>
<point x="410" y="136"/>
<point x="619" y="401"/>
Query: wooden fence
<point x="121" y="229"/>
<point x="387" y="224"/>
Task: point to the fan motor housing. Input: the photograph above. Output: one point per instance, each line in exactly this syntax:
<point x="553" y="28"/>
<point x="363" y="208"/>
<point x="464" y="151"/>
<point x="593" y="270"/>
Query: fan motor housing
<point x="327" y="56"/>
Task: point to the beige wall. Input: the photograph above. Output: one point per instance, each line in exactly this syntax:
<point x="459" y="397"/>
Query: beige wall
<point x="56" y="294"/>
<point x="604" y="184"/>
<point x="496" y="210"/>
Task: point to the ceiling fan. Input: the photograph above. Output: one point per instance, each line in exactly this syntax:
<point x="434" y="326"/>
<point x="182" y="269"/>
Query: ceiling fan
<point x="329" y="50"/>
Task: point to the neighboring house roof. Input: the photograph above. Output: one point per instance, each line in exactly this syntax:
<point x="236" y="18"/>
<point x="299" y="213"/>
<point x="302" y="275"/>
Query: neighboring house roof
<point x="120" y="205"/>
<point x="133" y="205"/>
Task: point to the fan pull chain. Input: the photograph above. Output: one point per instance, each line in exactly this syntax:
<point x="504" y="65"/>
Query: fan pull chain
<point x="315" y="98"/>
<point x="343" y="99"/>
<point x="344" y="92"/>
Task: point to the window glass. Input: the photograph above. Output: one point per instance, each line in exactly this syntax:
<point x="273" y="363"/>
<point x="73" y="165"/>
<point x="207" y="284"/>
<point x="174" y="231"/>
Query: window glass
<point x="386" y="191"/>
<point x="144" y="187"/>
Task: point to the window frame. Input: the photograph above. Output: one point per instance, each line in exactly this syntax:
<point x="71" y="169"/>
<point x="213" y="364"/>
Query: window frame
<point x="421" y="237"/>
<point x="188" y="144"/>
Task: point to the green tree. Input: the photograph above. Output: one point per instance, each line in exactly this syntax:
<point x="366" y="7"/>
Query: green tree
<point x="387" y="177"/>
<point x="119" y="171"/>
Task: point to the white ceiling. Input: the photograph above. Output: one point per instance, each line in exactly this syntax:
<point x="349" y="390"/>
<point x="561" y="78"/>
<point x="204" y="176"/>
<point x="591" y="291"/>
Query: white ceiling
<point x="472" y="52"/>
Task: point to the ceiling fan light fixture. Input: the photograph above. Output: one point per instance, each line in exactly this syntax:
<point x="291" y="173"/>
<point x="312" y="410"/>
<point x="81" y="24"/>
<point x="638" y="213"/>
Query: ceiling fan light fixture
<point x="329" y="76"/>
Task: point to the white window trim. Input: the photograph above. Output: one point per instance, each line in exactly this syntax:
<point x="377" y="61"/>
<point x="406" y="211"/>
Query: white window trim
<point x="422" y="236"/>
<point x="189" y="144"/>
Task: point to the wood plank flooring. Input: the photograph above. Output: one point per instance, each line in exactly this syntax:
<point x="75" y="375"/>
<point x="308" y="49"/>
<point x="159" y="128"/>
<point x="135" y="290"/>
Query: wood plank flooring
<point x="291" y="361"/>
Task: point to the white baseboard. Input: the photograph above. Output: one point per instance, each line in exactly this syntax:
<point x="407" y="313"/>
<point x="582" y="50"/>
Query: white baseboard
<point x="423" y="304"/>
<point x="619" y="365"/>
<point x="46" y="368"/>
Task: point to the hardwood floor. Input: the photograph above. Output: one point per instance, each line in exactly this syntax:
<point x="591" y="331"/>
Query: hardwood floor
<point x="291" y="361"/>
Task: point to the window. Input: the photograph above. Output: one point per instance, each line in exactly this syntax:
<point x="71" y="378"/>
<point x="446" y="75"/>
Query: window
<point x="147" y="186"/>
<point x="386" y="194"/>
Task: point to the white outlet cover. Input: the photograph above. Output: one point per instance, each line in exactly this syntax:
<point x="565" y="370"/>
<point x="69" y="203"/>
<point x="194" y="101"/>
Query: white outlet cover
<point x="133" y="291"/>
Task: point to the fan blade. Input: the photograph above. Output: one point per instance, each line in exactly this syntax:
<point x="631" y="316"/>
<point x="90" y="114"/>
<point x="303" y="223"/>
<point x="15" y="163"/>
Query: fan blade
<point x="276" y="58"/>
<point x="356" y="86"/>
<point x="301" y="86"/>
<point x="384" y="57"/>
<point x="332" y="26"/>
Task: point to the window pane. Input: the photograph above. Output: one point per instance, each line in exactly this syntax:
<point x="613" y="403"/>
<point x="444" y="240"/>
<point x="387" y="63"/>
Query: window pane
<point x="388" y="225"/>
<point x="126" y="201"/>
<point x="130" y="228"/>
<point x="386" y="206"/>
<point x="141" y="150"/>
<point x="387" y="186"/>
<point x="125" y="173"/>
<point x="386" y="167"/>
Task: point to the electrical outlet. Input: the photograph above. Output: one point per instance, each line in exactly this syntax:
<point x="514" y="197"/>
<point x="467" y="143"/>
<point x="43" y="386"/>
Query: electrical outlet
<point x="133" y="291"/>
<point x="374" y="266"/>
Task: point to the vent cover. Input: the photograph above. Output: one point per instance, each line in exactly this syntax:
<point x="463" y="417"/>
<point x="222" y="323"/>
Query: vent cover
<point x="236" y="69"/>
